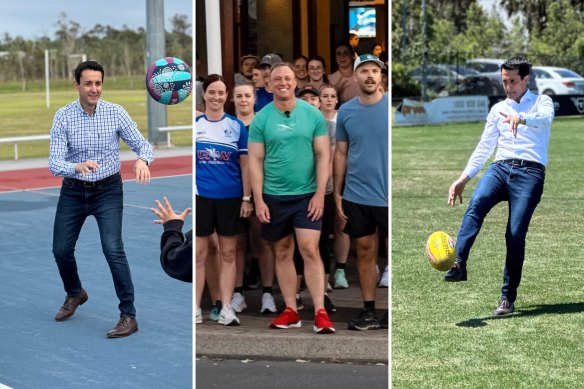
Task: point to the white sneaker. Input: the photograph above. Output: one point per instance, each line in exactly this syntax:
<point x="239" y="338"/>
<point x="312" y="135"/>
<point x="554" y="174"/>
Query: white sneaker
<point x="384" y="282"/>
<point x="268" y="303"/>
<point x="238" y="302"/>
<point x="340" y="279"/>
<point x="227" y="316"/>
<point x="198" y="316"/>
<point x="329" y="288"/>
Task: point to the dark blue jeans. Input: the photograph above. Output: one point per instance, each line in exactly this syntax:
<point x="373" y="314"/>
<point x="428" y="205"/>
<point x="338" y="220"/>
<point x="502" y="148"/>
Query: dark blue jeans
<point x="104" y="201"/>
<point x="522" y="187"/>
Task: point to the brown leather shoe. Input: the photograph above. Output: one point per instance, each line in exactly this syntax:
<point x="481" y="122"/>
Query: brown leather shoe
<point x="125" y="327"/>
<point x="70" y="305"/>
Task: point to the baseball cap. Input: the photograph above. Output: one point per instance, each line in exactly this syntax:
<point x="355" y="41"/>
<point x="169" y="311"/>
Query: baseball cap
<point x="308" y="89"/>
<point x="249" y="56"/>
<point x="271" y="59"/>
<point x="367" y="58"/>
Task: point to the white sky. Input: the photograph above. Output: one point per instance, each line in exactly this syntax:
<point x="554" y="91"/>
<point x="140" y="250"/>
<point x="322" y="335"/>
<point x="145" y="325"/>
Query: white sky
<point x="37" y="18"/>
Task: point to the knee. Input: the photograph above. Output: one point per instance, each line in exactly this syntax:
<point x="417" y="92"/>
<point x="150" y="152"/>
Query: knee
<point x="228" y="255"/>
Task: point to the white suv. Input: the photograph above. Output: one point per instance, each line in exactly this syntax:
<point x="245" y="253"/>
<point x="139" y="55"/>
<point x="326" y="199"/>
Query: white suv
<point x="558" y="81"/>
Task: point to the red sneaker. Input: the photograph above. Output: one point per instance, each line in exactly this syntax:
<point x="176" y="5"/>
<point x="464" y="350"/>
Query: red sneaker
<point x="322" y="323"/>
<point x="287" y="319"/>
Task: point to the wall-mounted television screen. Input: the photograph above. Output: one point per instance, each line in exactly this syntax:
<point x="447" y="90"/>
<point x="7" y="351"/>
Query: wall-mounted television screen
<point x="362" y="21"/>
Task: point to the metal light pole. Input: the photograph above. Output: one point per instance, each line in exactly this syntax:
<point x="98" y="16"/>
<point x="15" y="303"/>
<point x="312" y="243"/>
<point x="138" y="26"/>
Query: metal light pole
<point x="155" y="49"/>
<point x="424" y="51"/>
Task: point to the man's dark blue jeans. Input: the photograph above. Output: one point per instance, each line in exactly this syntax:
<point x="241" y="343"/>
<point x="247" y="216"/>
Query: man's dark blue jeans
<point x="103" y="200"/>
<point x="522" y="187"/>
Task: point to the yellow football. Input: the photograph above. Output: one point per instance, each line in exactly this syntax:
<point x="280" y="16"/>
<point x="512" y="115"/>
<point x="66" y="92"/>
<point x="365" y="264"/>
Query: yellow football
<point x="440" y="251"/>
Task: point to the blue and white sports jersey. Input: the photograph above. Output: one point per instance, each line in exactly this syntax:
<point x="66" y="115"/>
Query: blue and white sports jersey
<point x="219" y="145"/>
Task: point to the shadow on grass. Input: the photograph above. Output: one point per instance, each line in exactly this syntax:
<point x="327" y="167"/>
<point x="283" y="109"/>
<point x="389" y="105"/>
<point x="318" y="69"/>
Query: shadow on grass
<point x="532" y="310"/>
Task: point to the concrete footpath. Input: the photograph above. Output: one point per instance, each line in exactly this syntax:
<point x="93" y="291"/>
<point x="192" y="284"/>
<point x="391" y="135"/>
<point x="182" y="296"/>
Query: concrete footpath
<point x="253" y="339"/>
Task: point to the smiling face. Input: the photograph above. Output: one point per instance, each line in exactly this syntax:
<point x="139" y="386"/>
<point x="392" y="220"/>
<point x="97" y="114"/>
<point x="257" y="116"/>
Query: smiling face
<point x="215" y="96"/>
<point x="89" y="88"/>
<point x="300" y="69"/>
<point x="368" y="77"/>
<point x="283" y="83"/>
<point x="514" y="86"/>
<point x="315" y="70"/>
<point x="244" y="99"/>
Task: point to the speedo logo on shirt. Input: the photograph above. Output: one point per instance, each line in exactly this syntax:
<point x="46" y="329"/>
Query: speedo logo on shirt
<point x="211" y="154"/>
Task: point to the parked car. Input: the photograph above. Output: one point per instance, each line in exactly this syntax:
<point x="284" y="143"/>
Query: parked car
<point x="558" y="81"/>
<point x="491" y="68"/>
<point x="454" y="79"/>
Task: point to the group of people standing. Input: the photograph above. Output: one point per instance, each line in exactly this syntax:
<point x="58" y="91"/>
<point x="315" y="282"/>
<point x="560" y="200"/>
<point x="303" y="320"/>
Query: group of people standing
<point x="286" y="169"/>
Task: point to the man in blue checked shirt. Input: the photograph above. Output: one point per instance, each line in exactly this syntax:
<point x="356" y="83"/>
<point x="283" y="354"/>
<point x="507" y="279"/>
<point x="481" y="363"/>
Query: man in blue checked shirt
<point x="85" y="150"/>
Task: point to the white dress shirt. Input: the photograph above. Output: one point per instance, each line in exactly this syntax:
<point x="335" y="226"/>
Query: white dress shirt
<point x="531" y="142"/>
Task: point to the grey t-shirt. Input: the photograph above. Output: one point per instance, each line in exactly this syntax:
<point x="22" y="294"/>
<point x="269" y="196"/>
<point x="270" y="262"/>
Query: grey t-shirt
<point x="366" y="130"/>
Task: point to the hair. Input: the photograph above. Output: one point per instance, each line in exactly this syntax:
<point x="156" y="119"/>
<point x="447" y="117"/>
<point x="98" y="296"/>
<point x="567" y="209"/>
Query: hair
<point x="353" y="35"/>
<point x="262" y="66"/>
<point x="211" y="78"/>
<point x="518" y="62"/>
<point x="327" y="85"/>
<point x="300" y="56"/>
<point x="245" y="83"/>
<point x="278" y="64"/>
<point x="88" y="65"/>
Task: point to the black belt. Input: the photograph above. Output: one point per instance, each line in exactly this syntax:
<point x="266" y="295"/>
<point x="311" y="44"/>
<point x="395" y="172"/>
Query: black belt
<point x="522" y="163"/>
<point x="94" y="184"/>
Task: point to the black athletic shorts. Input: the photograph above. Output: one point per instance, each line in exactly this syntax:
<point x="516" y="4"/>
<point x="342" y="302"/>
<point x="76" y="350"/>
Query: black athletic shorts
<point x="218" y="215"/>
<point x="364" y="220"/>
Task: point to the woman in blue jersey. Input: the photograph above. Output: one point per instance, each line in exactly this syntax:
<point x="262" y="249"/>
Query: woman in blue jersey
<point x="222" y="190"/>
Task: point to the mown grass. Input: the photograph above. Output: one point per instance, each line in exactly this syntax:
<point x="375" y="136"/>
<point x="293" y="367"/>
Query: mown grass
<point x="443" y="333"/>
<point x="24" y="114"/>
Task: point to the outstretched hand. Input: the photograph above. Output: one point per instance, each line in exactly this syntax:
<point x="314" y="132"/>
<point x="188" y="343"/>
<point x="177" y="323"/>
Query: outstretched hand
<point x="166" y="213"/>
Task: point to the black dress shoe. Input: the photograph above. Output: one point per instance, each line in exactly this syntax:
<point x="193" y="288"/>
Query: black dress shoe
<point x="457" y="273"/>
<point x="504" y="308"/>
<point x="126" y="326"/>
<point x="70" y="305"/>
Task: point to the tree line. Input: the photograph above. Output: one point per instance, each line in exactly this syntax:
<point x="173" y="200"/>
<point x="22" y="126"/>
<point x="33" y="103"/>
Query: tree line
<point x="548" y="32"/>
<point x="122" y="52"/>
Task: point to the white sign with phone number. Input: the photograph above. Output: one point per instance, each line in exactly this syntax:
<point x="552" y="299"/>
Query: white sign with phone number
<point x="443" y="110"/>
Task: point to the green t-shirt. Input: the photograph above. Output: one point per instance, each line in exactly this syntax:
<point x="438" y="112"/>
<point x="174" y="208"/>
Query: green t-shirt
<point x="289" y="162"/>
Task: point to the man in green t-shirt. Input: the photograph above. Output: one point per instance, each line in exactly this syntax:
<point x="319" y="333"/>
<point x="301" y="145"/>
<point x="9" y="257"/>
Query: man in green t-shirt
<point x="289" y="153"/>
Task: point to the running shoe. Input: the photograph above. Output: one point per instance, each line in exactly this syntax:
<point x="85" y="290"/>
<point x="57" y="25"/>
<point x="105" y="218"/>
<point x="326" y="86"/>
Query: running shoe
<point x="198" y="316"/>
<point x="328" y="304"/>
<point x="227" y="316"/>
<point x="322" y="323"/>
<point x="367" y="320"/>
<point x="268" y="304"/>
<point x="340" y="279"/>
<point x="329" y="288"/>
<point x="384" y="282"/>
<point x="215" y="311"/>
<point x="238" y="302"/>
<point x="299" y="304"/>
<point x="288" y="319"/>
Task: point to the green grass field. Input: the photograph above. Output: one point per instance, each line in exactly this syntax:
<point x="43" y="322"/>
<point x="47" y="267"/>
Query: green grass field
<point x="23" y="114"/>
<point x="443" y="333"/>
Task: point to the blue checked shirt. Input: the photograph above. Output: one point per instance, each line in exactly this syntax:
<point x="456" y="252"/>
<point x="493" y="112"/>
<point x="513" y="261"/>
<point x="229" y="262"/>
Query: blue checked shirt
<point x="77" y="137"/>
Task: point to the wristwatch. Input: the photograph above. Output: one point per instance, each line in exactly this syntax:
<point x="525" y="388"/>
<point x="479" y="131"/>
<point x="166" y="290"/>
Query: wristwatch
<point x="142" y="159"/>
<point x="246" y="199"/>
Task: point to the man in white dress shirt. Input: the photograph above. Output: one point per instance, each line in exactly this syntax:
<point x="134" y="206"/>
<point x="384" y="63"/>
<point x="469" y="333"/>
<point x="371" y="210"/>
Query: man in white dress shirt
<point x="519" y="127"/>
